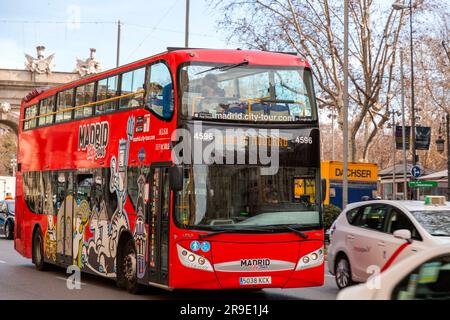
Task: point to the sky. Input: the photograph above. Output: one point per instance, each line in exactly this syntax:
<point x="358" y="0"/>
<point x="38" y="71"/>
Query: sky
<point x="70" y="28"/>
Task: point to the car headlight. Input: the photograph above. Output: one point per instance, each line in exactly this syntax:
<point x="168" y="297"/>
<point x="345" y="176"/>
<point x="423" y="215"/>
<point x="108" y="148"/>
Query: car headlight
<point x="312" y="259"/>
<point x="192" y="260"/>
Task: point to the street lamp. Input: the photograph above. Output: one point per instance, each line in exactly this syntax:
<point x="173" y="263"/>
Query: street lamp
<point x="332" y="115"/>
<point x="14" y="165"/>
<point x="393" y="126"/>
<point x="345" y="107"/>
<point x="186" y="31"/>
<point x="440" y="144"/>
<point x="400" y="6"/>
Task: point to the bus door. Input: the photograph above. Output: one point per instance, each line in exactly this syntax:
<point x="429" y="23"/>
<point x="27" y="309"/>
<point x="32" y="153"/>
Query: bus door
<point x="158" y="222"/>
<point x="83" y="198"/>
<point x="64" y="215"/>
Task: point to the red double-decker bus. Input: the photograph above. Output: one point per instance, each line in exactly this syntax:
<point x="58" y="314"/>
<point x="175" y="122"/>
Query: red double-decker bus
<point x="193" y="168"/>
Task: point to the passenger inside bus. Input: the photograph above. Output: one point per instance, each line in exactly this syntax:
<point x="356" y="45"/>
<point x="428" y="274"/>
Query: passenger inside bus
<point x="210" y="87"/>
<point x="137" y="99"/>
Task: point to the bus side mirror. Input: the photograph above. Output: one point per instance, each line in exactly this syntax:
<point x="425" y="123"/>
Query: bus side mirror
<point x="176" y="178"/>
<point x="324" y="189"/>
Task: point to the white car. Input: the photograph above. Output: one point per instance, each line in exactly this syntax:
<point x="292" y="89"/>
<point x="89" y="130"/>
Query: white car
<point x="425" y="275"/>
<point x="369" y="236"/>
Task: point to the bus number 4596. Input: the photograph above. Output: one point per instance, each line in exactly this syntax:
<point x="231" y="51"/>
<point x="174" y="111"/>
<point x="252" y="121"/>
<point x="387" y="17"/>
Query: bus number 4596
<point x="304" y="140"/>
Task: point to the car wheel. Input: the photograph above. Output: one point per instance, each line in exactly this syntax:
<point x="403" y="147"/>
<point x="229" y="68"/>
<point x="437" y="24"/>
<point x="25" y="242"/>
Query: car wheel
<point x="128" y="265"/>
<point x="9" y="230"/>
<point x="38" y="252"/>
<point x="343" y="273"/>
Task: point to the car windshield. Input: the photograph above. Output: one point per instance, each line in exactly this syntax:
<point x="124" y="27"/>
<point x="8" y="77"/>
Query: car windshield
<point x="436" y="223"/>
<point x="247" y="93"/>
<point x="231" y="196"/>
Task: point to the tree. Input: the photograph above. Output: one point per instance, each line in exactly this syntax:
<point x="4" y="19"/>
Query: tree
<point x="314" y="29"/>
<point x="8" y="142"/>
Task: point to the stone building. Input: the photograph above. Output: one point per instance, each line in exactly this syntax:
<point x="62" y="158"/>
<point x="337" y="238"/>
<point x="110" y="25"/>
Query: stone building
<point x="15" y="84"/>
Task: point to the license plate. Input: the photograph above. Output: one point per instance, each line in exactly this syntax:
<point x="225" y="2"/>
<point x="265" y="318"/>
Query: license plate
<point x="244" y="281"/>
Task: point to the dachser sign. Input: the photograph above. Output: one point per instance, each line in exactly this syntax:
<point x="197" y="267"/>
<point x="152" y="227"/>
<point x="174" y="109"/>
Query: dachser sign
<point x="356" y="171"/>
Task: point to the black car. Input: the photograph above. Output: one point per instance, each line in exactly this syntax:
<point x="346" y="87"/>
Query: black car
<point x="7" y="209"/>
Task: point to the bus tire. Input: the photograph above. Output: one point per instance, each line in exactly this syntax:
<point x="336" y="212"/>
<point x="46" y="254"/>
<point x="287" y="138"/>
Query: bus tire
<point x="38" y="251"/>
<point x="343" y="272"/>
<point x="9" y="230"/>
<point x="127" y="273"/>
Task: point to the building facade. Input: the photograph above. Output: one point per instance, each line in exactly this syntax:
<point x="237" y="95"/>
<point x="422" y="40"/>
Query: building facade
<point x="15" y="84"/>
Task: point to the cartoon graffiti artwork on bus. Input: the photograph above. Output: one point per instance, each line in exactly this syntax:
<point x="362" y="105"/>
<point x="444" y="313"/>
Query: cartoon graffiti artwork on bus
<point x="50" y="239"/>
<point x="81" y="218"/>
<point x="140" y="233"/>
<point x="103" y="261"/>
<point x="101" y="249"/>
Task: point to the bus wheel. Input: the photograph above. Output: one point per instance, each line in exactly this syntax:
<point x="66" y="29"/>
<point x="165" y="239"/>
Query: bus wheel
<point x="38" y="251"/>
<point x="343" y="273"/>
<point x="129" y="268"/>
<point x="9" y="231"/>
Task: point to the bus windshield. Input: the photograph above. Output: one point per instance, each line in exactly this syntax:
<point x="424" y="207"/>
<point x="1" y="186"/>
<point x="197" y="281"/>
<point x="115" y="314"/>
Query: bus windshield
<point x="231" y="196"/>
<point x="247" y="93"/>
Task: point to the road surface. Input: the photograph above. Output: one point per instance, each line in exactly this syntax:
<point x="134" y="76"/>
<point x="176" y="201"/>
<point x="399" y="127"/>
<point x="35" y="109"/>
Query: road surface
<point x="20" y="280"/>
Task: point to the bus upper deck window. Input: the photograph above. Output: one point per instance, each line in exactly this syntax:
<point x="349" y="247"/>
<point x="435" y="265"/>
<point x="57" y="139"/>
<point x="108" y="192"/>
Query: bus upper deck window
<point x="160" y="91"/>
<point x="106" y="90"/>
<point x="132" y="88"/>
<point x="63" y="105"/>
<point x="30" y="114"/>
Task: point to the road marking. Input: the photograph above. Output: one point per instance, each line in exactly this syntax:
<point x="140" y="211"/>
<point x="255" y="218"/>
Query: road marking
<point x="329" y="276"/>
<point x="76" y="282"/>
<point x="1" y="261"/>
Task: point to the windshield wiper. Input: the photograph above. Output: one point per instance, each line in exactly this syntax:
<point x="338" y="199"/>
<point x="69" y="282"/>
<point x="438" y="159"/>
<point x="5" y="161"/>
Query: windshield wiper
<point x="236" y="230"/>
<point x="256" y="228"/>
<point x="298" y="232"/>
<point x="225" y="67"/>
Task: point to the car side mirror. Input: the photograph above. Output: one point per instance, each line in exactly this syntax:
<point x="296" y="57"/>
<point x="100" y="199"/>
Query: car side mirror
<point x="324" y="189"/>
<point x="404" y="234"/>
<point x="176" y="178"/>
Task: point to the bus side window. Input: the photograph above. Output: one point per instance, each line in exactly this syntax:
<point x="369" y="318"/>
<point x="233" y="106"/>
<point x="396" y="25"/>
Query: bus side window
<point x="33" y="191"/>
<point x="160" y="91"/>
<point x="30" y="113"/>
<point x="64" y="101"/>
<point x="84" y="95"/>
<point x="84" y="188"/>
<point x="47" y="107"/>
<point x="132" y="85"/>
<point x="48" y="201"/>
<point x="107" y="89"/>
<point x="59" y="191"/>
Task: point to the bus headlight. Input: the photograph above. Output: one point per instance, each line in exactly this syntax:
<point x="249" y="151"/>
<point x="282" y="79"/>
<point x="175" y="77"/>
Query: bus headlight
<point x="192" y="260"/>
<point x="310" y="260"/>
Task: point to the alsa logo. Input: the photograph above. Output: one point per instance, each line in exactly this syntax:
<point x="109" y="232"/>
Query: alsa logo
<point x="255" y="264"/>
<point x="94" y="138"/>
